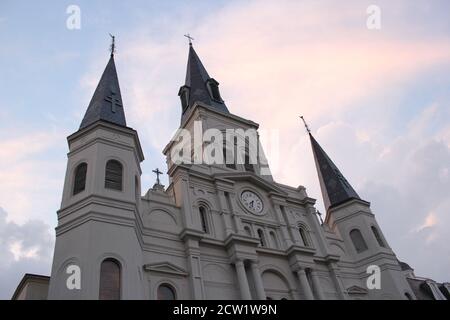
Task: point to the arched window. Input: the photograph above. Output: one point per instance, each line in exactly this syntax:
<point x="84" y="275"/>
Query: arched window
<point x="358" y="241"/>
<point x="228" y="150"/>
<point x="166" y="292"/>
<point x="274" y="240"/>
<point x="80" y="178"/>
<point x="303" y="235"/>
<point x="113" y="175"/>
<point x="247" y="165"/>
<point x="408" y="296"/>
<point x="109" y="280"/>
<point x="248" y="231"/>
<point x="377" y="236"/>
<point x="203" y="219"/>
<point x="262" y="239"/>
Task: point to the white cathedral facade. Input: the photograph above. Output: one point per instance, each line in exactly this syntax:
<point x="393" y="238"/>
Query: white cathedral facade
<point x="217" y="231"/>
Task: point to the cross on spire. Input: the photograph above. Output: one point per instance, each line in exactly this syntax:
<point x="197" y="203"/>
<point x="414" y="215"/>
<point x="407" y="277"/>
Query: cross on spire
<point x="113" y="44"/>
<point x="157" y="175"/>
<point x="190" y="38"/>
<point x="306" y="125"/>
<point x="114" y="100"/>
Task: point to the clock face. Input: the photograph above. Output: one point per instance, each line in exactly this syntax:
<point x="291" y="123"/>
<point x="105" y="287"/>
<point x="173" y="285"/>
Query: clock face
<point x="252" y="202"/>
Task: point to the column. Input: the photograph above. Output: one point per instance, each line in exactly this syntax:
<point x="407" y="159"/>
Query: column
<point x="242" y="279"/>
<point x="261" y="294"/>
<point x="225" y="212"/>
<point x="194" y="267"/>
<point x="237" y="220"/>
<point x="316" y="285"/>
<point x="337" y="282"/>
<point x="304" y="284"/>
<point x="283" y="227"/>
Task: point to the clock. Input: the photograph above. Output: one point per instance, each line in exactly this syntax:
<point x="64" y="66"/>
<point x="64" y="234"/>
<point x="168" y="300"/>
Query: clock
<point x="252" y="202"/>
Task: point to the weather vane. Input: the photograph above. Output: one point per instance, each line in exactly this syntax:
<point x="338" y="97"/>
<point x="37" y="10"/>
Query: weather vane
<point x="306" y="125"/>
<point x="189" y="37"/>
<point x="113" y="44"/>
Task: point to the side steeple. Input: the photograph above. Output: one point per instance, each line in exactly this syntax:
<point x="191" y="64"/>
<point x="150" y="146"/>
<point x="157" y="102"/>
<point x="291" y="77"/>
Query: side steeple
<point x="199" y="86"/>
<point x="335" y="188"/>
<point x="106" y="103"/>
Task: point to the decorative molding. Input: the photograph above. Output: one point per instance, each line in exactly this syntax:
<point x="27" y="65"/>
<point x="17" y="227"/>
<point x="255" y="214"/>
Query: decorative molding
<point x="166" y="267"/>
<point x="356" y="290"/>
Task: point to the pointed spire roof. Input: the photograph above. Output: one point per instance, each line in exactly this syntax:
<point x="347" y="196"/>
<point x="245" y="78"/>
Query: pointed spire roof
<point x="335" y="188"/>
<point x="197" y="81"/>
<point x="106" y="103"/>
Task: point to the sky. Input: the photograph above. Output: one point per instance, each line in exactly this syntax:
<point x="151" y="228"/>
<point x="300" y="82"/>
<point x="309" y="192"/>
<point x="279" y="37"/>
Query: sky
<point x="377" y="100"/>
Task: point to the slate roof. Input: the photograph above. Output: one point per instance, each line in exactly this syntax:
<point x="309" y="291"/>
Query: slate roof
<point x="335" y="188"/>
<point x="106" y="103"/>
<point x="196" y="80"/>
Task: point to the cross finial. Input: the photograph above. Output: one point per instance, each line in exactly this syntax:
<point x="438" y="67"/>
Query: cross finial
<point x="306" y="125"/>
<point x="320" y="216"/>
<point x="113" y="44"/>
<point x="190" y="38"/>
<point x="157" y="175"/>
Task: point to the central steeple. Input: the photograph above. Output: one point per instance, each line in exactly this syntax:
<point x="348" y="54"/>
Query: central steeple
<point x="199" y="86"/>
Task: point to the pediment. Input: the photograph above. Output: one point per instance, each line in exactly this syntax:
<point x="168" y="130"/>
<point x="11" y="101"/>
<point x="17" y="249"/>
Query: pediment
<point x="252" y="178"/>
<point x="356" y="290"/>
<point x="165" y="267"/>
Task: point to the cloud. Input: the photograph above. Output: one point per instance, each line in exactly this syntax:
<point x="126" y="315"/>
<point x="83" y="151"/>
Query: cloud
<point x="26" y="248"/>
<point x="29" y="175"/>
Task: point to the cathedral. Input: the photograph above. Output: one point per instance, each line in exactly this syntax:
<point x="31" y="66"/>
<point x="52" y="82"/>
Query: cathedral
<point x="221" y="230"/>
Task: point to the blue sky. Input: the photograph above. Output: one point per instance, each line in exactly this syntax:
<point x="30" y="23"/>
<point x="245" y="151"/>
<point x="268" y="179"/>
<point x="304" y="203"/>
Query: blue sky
<point x="377" y="101"/>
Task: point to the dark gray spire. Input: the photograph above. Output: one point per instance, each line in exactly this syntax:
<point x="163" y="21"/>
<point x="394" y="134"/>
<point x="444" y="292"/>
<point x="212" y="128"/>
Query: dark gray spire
<point x="335" y="188"/>
<point x="106" y="103"/>
<point x="199" y="86"/>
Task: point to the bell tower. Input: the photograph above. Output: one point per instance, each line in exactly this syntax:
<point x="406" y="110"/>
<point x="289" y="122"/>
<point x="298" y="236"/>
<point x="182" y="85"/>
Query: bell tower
<point x="351" y="218"/>
<point x="99" y="211"/>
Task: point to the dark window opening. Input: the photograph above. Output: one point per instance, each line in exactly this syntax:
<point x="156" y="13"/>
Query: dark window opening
<point x="377" y="236"/>
<point x="80" y="178"/>
<point x="184" y="100"/>
<point x="358" y="241"/>
<point x="203" y="219"/>
<point x="109" y="280"/>
<point x="302" y="232"/>
<point x="214" y="89"/>
<point x="113" y="175"/>
<point x="166" y="292"/>
<point x="262" y="240"/>
<point x="247" y="165"/>
<point x="229" y="153"/>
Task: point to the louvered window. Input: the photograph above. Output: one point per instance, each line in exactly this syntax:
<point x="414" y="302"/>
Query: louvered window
<point x="80" y="178"/>
<point x="113" y="175"/>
